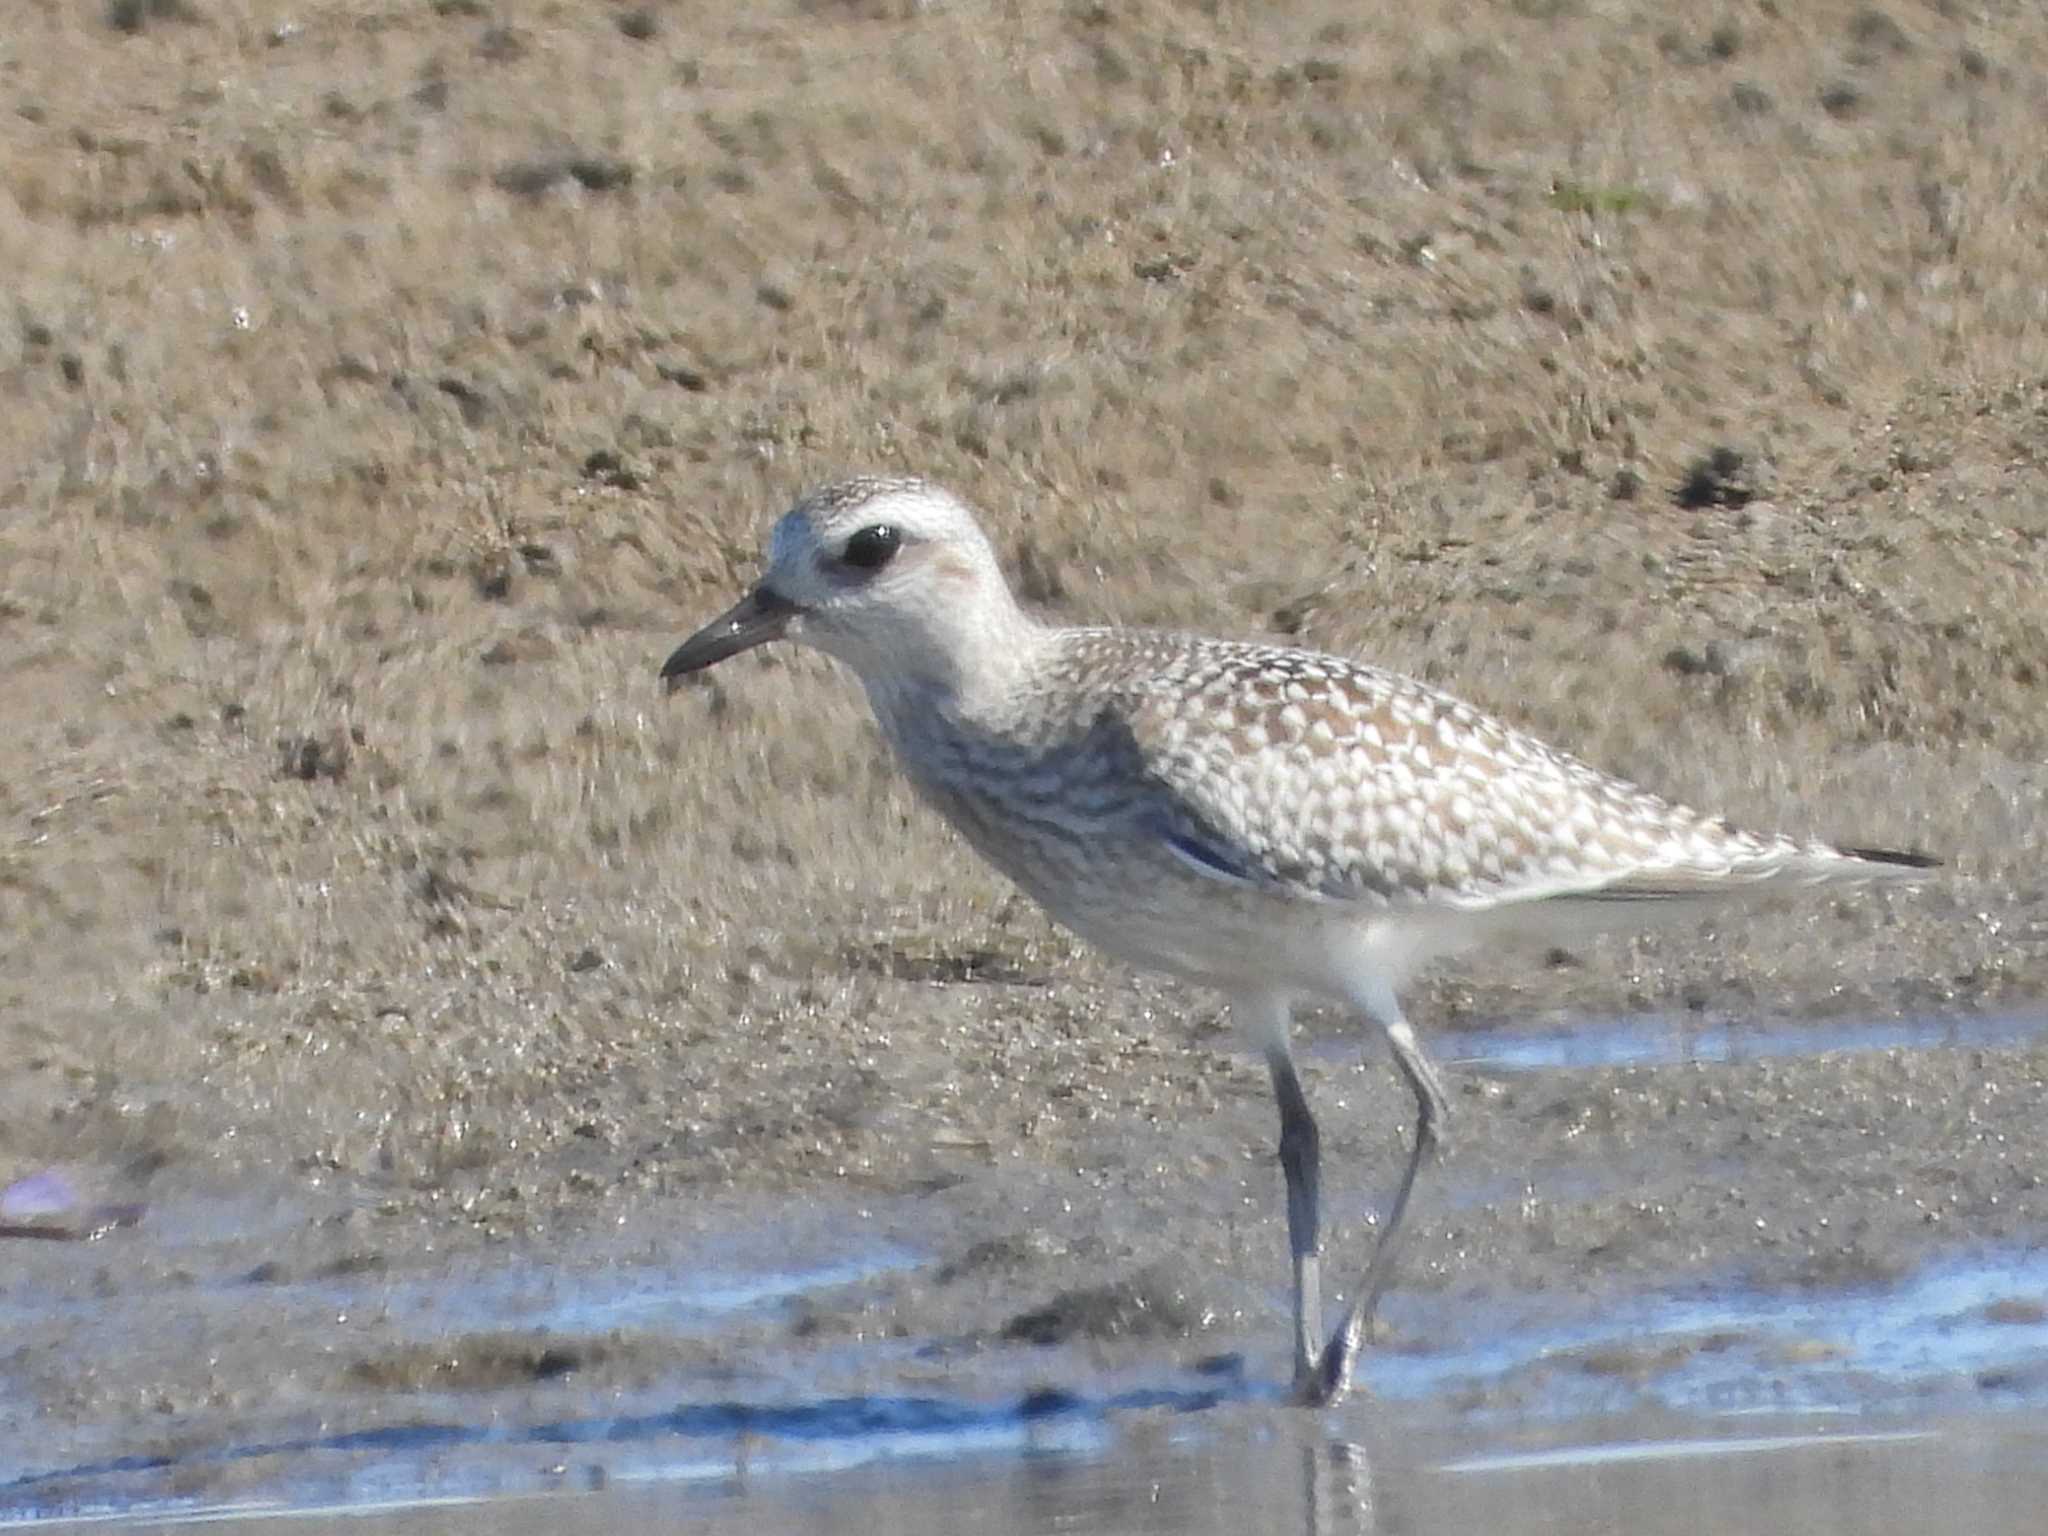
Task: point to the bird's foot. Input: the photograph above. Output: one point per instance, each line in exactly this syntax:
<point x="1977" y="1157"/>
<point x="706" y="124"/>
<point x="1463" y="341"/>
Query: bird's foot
<point x="1325" y="1380"/>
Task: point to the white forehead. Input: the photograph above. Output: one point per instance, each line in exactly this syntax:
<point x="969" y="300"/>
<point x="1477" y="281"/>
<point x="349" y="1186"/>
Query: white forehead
<point x="830" y="513"/>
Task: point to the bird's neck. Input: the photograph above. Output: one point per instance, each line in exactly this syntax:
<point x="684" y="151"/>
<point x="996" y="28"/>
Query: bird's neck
<point x="974" y="677"/>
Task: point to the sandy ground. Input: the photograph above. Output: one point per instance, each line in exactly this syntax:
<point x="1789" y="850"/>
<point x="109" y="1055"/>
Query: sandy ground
<point x="388" y="387"/>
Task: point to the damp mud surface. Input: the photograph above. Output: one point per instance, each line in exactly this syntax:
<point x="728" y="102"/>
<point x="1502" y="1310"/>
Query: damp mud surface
<point x="437" y="1064"/>
<point x="1648" y="1255"/>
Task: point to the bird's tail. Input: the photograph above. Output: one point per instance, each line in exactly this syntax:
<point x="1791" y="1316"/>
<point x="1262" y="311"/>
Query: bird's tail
<point x="1780" y="866"/>
<point x="1898" y="863"/>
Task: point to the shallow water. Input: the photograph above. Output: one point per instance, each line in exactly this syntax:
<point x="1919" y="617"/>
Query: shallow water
<point x="1949" y="1336"/>
<point x="1659" y="1041"/>
<point x="1561" y="1399"/>
<point x="1255" y="1469"/>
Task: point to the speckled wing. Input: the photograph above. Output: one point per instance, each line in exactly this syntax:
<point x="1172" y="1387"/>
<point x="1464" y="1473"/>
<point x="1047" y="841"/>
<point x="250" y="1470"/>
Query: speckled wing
<point x="1325" y="780"/>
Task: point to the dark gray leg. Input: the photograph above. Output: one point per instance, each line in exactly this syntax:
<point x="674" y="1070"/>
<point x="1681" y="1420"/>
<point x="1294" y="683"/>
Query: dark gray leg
<point x="1301" y="1159"/>
<point x="1432" y="1108"/>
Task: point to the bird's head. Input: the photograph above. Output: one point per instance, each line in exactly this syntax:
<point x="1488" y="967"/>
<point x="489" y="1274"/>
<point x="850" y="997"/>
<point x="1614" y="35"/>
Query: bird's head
<point x="891" y="576"/>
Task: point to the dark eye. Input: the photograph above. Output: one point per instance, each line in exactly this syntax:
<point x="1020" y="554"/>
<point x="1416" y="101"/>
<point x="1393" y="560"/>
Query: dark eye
<point x="872" y="548"/>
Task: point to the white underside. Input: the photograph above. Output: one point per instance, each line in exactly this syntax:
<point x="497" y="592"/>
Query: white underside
<point x="1268" y="956"/>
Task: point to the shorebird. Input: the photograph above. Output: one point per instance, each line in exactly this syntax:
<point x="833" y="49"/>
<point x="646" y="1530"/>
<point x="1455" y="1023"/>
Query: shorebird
<point x="1279" y="824"/>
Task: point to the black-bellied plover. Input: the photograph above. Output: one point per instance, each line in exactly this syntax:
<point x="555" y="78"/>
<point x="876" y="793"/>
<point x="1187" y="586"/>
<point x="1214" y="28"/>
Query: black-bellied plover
<point x="1281" y="825"/>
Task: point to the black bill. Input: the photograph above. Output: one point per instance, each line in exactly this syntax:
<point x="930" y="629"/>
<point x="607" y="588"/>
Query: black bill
<point x="758" y="617"/>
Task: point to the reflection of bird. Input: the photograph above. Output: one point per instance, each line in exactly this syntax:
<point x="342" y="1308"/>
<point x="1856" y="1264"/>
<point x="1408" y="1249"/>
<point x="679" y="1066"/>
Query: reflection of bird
<point x="1278" y="824"/>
